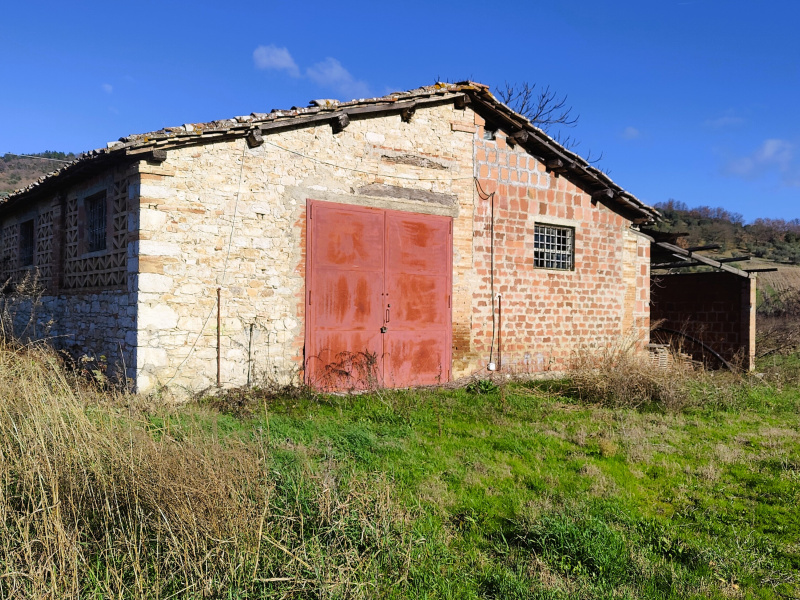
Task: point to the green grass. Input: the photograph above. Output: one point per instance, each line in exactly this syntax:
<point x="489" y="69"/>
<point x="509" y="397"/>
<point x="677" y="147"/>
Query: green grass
<point x="525" y="493"/>
<point x="516" y="491"/>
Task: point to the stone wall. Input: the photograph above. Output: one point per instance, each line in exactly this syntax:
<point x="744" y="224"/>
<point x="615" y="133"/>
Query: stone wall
<point x="227" y="217"/>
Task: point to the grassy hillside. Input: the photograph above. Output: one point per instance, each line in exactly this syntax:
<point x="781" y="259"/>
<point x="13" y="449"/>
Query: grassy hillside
<point x="773" y="239"/>
<point x="631" y="484"/>
<point x="19" y="171"/>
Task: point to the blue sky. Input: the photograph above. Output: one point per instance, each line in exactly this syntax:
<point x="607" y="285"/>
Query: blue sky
<point x="696" y="100"/>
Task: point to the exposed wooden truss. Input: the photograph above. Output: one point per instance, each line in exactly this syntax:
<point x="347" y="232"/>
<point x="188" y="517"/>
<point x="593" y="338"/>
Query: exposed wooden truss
<point x="675" y="257"/>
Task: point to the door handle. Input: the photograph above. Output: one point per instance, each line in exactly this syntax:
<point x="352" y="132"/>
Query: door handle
<point x="388" y="306"/>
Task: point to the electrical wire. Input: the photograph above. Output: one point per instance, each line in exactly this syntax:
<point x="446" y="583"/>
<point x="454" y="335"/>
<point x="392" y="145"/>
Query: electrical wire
<point x="373" y="173"/>
<point x="38" y="157"/>
<point x="224" y="268"/>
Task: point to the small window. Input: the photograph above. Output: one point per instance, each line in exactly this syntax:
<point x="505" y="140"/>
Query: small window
<point x="96" y="222"/>
<point x="26" y="243"/>
<point x="553" y="247"/>
<point x="489" y="132"/>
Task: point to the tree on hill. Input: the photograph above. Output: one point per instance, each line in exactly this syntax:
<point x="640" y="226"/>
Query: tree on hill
<point x="773" y="239"/>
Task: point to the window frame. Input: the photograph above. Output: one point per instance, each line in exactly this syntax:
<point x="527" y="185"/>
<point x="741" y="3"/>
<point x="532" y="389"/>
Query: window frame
<point x="558" y="252"/>
<point x="94" y="224"/>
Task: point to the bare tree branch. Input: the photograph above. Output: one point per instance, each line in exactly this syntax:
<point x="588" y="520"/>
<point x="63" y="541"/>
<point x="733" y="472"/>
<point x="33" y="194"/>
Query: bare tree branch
<point x="543" y="107"/>
<point x="547" y="110"/>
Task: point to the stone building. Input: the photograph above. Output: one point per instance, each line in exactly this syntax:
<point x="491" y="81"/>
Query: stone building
<point x="408" y="239"/>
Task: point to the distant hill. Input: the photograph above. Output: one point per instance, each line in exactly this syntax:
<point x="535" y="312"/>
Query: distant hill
<point x="773" y="239"/>
<point x="18" y="171"/>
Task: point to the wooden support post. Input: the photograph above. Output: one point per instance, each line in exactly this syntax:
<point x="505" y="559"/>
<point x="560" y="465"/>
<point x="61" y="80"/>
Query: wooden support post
<point x="219" y="327"/>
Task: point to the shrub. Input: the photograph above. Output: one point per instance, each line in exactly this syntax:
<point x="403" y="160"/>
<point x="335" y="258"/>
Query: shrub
<point x="620" y="377"/>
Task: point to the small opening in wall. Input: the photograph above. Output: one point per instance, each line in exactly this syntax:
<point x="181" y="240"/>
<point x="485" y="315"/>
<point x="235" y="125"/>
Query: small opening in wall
<point x="554" y="247"/>
<point x="96" y="222"/>
<point x="489" y="132"/>
<point x="26" y="243"/>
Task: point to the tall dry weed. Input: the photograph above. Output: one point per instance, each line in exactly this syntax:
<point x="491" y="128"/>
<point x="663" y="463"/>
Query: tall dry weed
<point x="621" y="378"/>
<point x="96" y="500"/>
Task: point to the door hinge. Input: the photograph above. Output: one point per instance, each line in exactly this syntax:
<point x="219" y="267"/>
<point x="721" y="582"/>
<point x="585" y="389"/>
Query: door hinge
<point x="309" y="297"/>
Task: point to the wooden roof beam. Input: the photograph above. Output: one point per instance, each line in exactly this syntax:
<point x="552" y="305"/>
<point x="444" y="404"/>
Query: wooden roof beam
<point x="678" y="264"/>
<point x="407" y="113"/>
<point x="463" y="101"/>
<point x="254" y="138"/>
<point x="559" y="166"/>
<point x="731" y="259"/>
<point x="339" y="122"/>
<point x="683" y="253"/>
<point x="518" y="137"/>
<point x="605" y="195"/>
<point x="700" y="248"/>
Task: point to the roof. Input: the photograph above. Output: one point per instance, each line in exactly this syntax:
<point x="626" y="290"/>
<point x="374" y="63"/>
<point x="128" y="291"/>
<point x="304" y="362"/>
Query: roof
<point x="519" y="129"/>
<point x="666" y="255"/>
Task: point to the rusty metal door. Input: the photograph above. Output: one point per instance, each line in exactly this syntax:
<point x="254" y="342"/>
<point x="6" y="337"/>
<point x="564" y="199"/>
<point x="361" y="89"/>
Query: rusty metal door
<point x="378" y="286"/>
<point x="344" y="303"/>
<point x="416" y="346"/>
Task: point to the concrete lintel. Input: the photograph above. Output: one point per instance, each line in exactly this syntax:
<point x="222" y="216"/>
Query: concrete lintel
<point x="301" y="194"/>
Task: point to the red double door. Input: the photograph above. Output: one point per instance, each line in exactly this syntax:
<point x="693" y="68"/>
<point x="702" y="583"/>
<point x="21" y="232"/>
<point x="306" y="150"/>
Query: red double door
<point x="378" y="295"/>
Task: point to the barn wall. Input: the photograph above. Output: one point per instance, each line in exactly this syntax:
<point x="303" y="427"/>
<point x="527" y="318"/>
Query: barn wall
<point x="224" y="218"/>
<point x="229" y="217"/>
<point x="82" y="302"/>
<point x="717" y="308"/>
<point x="548" y="315"/>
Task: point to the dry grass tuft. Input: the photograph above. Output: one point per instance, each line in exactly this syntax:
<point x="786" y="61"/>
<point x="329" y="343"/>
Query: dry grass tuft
<point x="620" y="378"/>
<point x="608" y="448"/>
<point x="96" y="500"/>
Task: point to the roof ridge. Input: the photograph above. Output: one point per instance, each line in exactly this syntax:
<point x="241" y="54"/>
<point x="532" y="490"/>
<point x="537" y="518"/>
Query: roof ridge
<point x="243" y="125"/>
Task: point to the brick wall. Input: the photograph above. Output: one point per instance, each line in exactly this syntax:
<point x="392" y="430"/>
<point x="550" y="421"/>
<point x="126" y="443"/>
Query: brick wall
<point x="84" y="301"/>
<point x="716" y="308"/>
<point x="550" y="314"/>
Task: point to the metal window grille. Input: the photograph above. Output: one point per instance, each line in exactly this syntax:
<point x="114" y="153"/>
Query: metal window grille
<point x="26" y="243"/>
<point x="96" y="222"/>
<point x="553" y="247"/>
